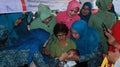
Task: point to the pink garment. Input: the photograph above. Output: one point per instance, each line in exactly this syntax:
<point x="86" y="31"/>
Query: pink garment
<point x="63" y="17"/>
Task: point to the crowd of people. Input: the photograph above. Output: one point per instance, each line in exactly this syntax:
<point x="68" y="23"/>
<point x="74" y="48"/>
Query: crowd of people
<point x="71" y="38"/>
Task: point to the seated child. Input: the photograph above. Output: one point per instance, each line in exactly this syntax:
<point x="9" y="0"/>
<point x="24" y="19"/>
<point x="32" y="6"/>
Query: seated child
<point x="67" y="62"/>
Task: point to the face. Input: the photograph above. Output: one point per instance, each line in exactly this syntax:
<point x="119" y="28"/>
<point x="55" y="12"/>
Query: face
<point x="47" y="20"/>
<point x="71" y="54"/>
<point x="61" y="36"/>
<point x="85" y="10"/>
<point x="109" y="6"/>
<point x="75" y="34"/>
<point x="74" y="11"/>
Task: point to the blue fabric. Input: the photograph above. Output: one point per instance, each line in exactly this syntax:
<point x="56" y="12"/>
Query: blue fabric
<point x="86" y="17"/>
<point x="113" y="11"/>
<point x="22" y="30"/>
<point x="89" y="38"/>
<point x="8" y="21"/>
<point x="34" y="42"/>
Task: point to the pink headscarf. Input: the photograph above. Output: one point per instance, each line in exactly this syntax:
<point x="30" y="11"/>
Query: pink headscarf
<point x="73" y="4"/>
<point x="63" y="17"/>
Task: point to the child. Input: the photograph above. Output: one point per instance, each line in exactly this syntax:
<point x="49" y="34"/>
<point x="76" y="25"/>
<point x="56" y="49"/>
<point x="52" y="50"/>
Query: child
<point x="67" y="62"/>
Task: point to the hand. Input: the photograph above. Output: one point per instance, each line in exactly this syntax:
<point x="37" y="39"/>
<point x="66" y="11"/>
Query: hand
<point x="63" y="57"/>
<point x="45" y="51"/>
<point x="111" y="39"/>
<point x="75" y="58"/>
<point x="113" y="56"/>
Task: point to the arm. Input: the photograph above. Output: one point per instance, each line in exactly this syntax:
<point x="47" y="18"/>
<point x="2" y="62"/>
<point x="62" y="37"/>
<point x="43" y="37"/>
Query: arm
<point x="38" y="60"/>
<point x="111" y="40"/>
<point x="96" y="53"/>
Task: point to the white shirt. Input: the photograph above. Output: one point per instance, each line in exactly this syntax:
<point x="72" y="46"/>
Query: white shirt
<point x="117" y="63"/>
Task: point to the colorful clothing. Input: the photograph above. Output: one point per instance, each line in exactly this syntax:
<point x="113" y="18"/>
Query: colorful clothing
<point x="63" y="17"/>
<point x="88" y="43"/>
<point x="44" y="12"/>
<point x="102" y="16"/>
<point x="56" y="49"/>
<point x="86" y="17"/>
<point x="8" y="21"/>
<point x="26" y="50"/>
<point x="116" y="34"/>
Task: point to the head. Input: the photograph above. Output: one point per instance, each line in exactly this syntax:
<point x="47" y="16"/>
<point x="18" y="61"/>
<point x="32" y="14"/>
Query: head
<point x="73" y="52"/>
<point x="47" y="20"/>
<point x="44" y="13"/>
<point x="73" y="8"/>
<point x="104" y="4"/>
<point x="60" y="31"/>
<point x="86" y="9"/>
<point x="78" y="29"/>
<point x="109" y="6"/>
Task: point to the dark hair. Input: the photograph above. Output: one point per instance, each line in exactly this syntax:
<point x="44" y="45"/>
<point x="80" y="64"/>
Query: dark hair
<point x="60" y="27"/>
<point x="75" y="50"/>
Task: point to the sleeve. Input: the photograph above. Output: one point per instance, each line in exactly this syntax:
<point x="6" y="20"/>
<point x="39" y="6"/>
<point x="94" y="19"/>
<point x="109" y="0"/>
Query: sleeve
<point x="38" y="60"/>
<point x="117" y="63"/>
<point x="116" y="32"/>
<point x="97" y="53"/>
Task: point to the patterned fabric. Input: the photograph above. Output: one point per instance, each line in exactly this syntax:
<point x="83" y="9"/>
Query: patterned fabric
<point x="16" y="58"/>
<point x="25" y="50"/>
<point x="13" y="58"/>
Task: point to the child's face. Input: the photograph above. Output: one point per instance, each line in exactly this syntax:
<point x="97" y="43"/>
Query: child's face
<point x="72" y="54"/>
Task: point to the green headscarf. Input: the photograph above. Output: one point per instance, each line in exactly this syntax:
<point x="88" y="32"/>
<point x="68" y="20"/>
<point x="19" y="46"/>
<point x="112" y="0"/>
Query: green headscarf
<point x="43" y="13"/>
<point x="102" y="4"/>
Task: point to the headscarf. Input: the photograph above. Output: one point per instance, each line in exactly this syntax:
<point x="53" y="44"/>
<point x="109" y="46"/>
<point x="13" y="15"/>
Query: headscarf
<point x="63" y="17"/>
<point x="33" y="42"/>
<point x="44" y="12"/>
<point x="73" y="4"/>
<point x="102" y="4"/>
<point x="86" y="17"/>
<point x="89" y="38"/>
<point x="113" y="11"/>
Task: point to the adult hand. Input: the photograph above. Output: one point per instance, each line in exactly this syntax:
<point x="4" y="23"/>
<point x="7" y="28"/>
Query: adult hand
<point x="113" y="56"/>
<point x="75" y="58"/>
<point x="111" y="39"/>
<point x="63" y="56"/>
